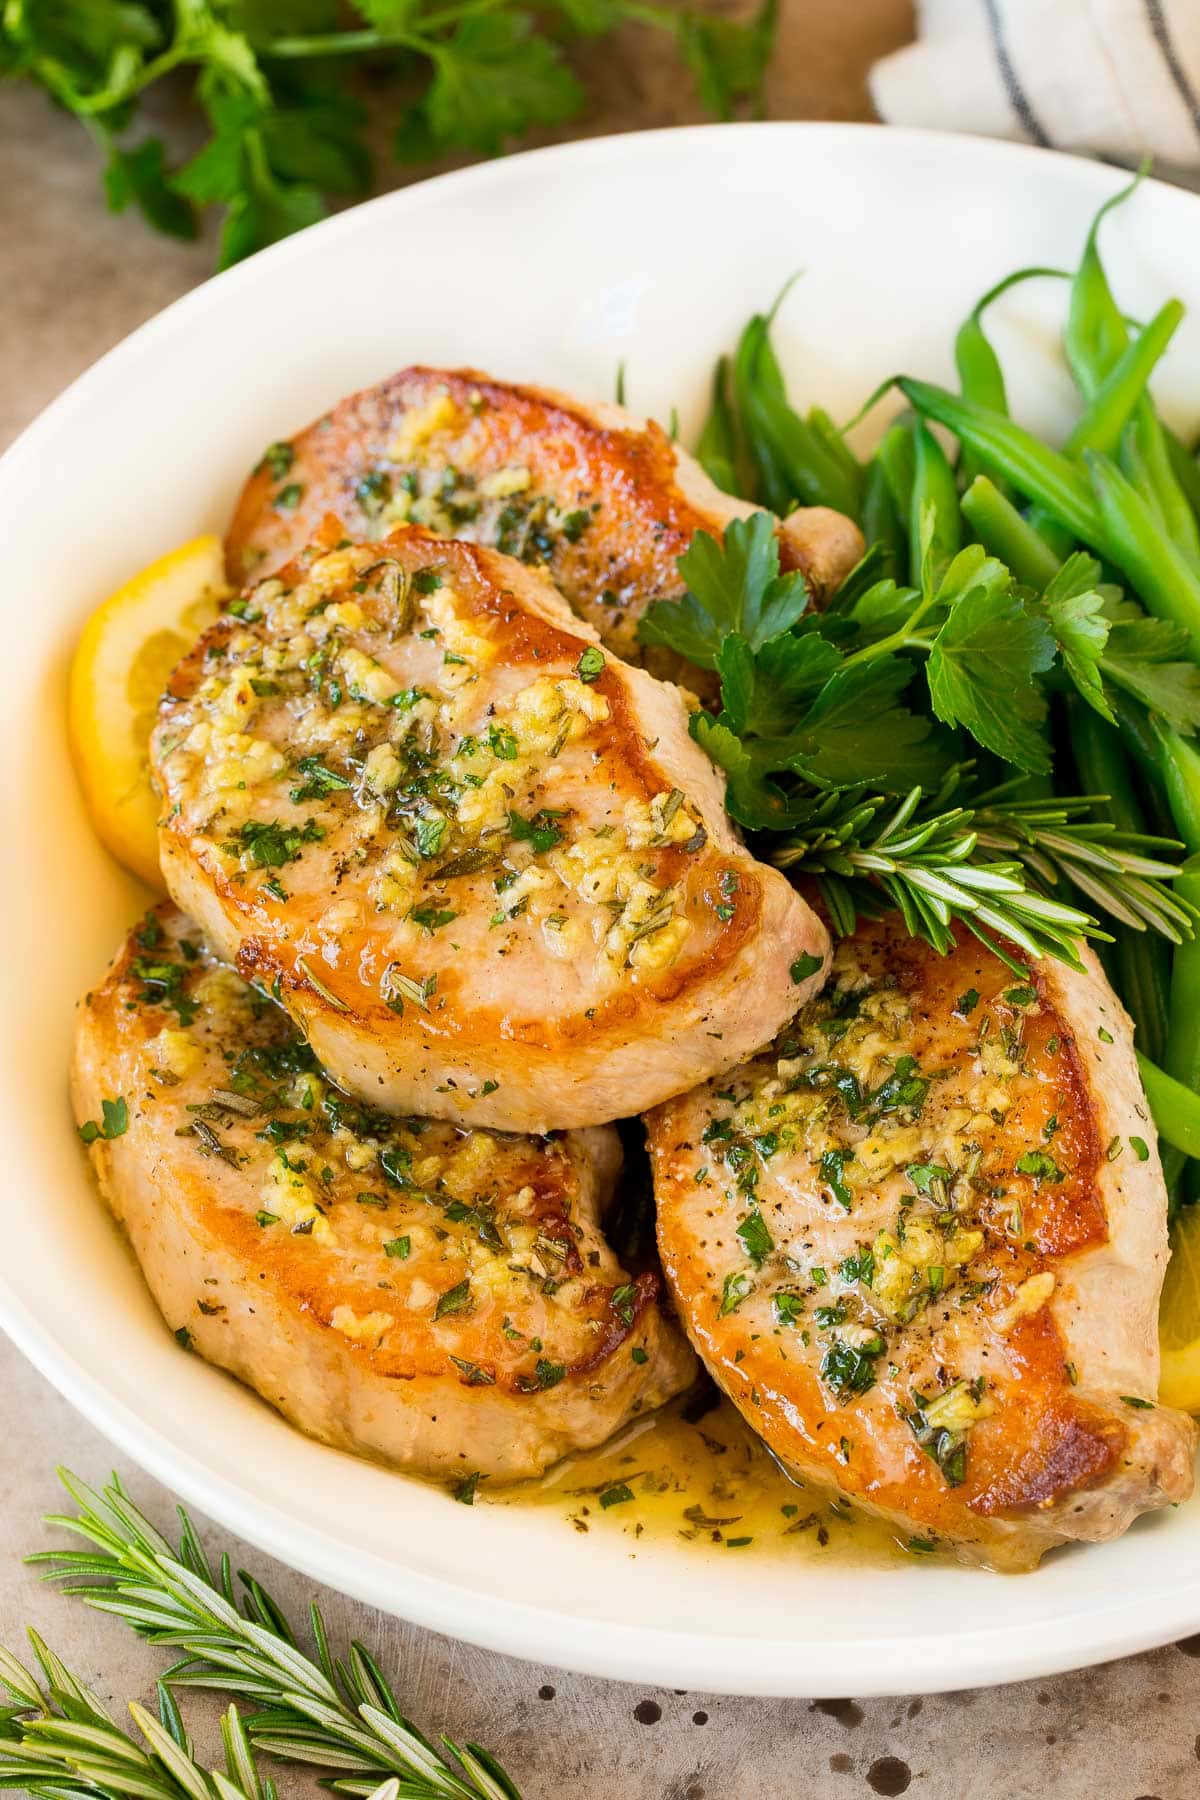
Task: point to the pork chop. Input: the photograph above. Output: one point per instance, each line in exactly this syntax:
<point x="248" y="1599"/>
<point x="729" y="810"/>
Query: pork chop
<point x="439" y="1299"/>
<point x="481" y="862"/>
<point x="920" y="1242"/>
<point x="606" y="501"/>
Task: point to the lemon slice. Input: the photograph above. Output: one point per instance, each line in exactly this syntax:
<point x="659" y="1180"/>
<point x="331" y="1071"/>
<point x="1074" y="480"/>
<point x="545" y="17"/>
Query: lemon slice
<point x="1179" y="1316"/>
<point x="128" y="649"/>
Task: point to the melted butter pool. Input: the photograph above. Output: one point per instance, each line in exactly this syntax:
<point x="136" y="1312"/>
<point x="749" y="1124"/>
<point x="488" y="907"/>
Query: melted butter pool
<point x="706" y="1483"/>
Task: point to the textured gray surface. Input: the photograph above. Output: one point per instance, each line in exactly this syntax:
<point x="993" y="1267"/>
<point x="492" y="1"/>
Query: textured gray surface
<point x="73" y="282"/>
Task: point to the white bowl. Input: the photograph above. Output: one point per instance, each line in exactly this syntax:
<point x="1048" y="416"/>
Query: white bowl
<point x="554" y="266"/>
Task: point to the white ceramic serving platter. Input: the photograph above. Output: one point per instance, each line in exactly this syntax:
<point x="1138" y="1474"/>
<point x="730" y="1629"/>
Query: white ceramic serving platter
<point x="553" y="267"/>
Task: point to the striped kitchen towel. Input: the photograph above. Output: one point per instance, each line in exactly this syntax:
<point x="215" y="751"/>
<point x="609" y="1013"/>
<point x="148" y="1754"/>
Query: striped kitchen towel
<point x="1114" y="78"/>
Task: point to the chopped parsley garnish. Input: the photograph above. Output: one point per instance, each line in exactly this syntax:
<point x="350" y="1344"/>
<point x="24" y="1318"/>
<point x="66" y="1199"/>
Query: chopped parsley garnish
<point x="455" y="1300"/>
<point x="734" y="1291"/>
<point x="426" y="581"/>
<point x="183" y="1338"/>
<point x="276" y="461"/>
<point x="850" y="1368"/>
<point x="616" y="1495"/>
<point x="399" y="1247"/>
<point x="1140" y="1148"/>
<point x="318" y="780"/>
<point x="288" y="498"/>
<point x="804" y="966"/>
<point x="756" y="1240"/>
<point x="591" y="664"/>
<point x="266" y="1218"/>
<point x="429" y="833"/>
<point x="859" y="1267"/>
<point x="787" y="1307"/>
<point x="622" y="1300"/>
<point x="431" y="918"/>
<point x="541" y="830"/>
<point x="638" y="1354"/>
<point x="373" y="492"/>
<point x="465" y="1492"/>
<point x="923" y="1175"/>
<point x="164" y="986"/>
<point x="831" y="1166"/>
<point x="502" y="742"/>
<point x="548" y="1374"/>
<point x="270" y="844"/>
<point x="966" y="1003"/>
<point x="1040" y="1166"/>
<point x="904" y="1089"/>
<point x="114" y="1122"/>
<point x="1025" y="995"/>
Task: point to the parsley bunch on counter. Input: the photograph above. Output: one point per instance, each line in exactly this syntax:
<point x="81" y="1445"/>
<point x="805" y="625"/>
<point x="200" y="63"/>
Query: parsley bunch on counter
<point x="277" y="83"/>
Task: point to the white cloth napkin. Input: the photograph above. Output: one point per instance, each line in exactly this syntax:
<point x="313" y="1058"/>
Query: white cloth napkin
<point x="1114" y="78"/>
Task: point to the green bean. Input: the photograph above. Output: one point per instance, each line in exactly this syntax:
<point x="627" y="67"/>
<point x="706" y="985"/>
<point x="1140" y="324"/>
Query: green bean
<point x="793" y="463"/>
<point x="1140" y="959"/>
<point x="756" y="372"/>
<point x="980" y="375"/>
<point x="1115" y="400"/>
<point x="1001" y="530"/>
<point x="1179" y="762"/>
<point x="1039" y="473"/>
<point x="880" y="519"/>
<point x="1133" y="537"/>
<point x="1058" y="538"/>
<point x="897" y="457"/>
<point x="1176" y="1109"/>
<point x="933" y="486"/>
<point x="1097" y="337"/>
<point x="1096" y="333"/>
<point x="717" y="447"/>
<point x="834" y="441"/>
<point x="1146" y="460"/>
<point x="1185" y="469"/>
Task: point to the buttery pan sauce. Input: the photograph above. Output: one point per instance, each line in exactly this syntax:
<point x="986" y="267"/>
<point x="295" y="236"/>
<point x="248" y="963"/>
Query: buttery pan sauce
<point x="696" y="1474"/>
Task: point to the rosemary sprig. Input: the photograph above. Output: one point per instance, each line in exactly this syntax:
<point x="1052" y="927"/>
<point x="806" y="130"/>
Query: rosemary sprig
<point x="338" y="1712"/>
<point x="990" y="865"/>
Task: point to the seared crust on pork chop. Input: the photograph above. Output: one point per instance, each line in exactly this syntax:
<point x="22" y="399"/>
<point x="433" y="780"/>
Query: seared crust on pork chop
<point x="920" y="1244"/>
<point x="481" y="863"/>
<point x="435" y="1298"/>
<point x="603" y="499"/>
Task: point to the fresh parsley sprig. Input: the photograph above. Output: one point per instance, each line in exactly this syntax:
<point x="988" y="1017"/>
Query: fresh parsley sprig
<point x="339" y="1712"/>
<point x="276" y="82"/>
<point x="841" y="736"/>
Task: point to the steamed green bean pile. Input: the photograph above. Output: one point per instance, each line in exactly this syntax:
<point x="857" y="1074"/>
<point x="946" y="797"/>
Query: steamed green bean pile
<point x="993" y="723"/>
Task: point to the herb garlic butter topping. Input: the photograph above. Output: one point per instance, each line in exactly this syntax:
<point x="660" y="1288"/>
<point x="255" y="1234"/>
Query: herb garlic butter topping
<point x="413" y="797"/>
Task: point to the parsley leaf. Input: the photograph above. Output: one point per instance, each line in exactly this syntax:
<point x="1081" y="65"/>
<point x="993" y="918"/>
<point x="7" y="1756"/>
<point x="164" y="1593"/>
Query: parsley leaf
<point x="1150" y="659"/>
<point x="495" y="77"/>
<point x="1076" y="610"/>
<point x="983" y="662"/>
<point x="734" y="586"/>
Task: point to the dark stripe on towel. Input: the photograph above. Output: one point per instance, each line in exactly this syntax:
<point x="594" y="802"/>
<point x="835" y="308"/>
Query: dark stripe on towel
<point x="1018" y="99"/>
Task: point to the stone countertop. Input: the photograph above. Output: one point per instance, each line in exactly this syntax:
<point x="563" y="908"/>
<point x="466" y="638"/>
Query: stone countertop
<point x="75" y="281"/>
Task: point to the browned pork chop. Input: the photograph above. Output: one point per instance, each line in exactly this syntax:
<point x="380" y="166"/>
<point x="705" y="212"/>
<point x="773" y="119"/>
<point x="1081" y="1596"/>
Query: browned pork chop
<point x="436" y="1298"/>
<point x="604" y="500"/>
<point x="920" y="1243"/>
<point x="482" y="863"/>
